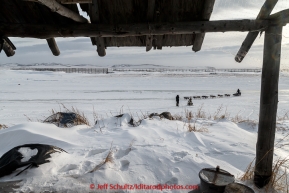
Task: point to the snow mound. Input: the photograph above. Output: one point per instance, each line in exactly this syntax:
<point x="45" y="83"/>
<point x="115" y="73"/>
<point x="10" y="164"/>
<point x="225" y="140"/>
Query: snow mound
<point x="158" y="151"/>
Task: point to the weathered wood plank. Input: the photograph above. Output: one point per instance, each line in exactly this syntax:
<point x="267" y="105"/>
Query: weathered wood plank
<point x="268" y="106"/>
<point x="60" y="9"/>
<point x="125" y="30"/>
<point x="249" y="40"/>
<point x="53" y="46"/>
<point x="199" y="38"/>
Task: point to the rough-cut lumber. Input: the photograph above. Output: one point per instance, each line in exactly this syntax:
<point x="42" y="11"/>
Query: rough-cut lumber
<point x="53" y="46"/>
<point x="251" y="36"/>
<point x="125" y="30"/>
<point x="98" y="41"/>
<point x="60" y="9"/>
<point x="268" y="106"/>
<point x="199" y="38"/>
<point x="150" y="17"/>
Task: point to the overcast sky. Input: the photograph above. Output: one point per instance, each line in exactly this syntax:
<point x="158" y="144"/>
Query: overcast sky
<point x="218" y="49"/>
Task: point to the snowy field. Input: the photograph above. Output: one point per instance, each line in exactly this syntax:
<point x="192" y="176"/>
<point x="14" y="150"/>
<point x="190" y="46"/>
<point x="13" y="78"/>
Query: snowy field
<point x="158" y="151"/>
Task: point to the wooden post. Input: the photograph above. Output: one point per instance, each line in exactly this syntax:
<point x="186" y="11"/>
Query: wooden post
<point x="199" y="38"/>
<point x="268" y="105"/>
<point x="98" y="41"/>
<point x="53" y="46"/>
<point x="150" y="17"/>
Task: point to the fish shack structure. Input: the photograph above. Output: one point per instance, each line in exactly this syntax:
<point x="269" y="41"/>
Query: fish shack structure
<point x="153" y="24"/>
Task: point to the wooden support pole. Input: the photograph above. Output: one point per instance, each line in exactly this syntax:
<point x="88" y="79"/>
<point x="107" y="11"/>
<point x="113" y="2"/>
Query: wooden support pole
<point x="150" y="17"/>
<point x="7" y="46"/>
<point x="98" y="41"/>
<point x="251" y="36"/>
<point x="53" y="46"/>
<point x="199" y="38"/>
<point x="60" y="9"/>
<point x="149" y="42"/>
<point x="268" y="106"/>
<point x="124" y="30"/>
<point x="9" y="51"/>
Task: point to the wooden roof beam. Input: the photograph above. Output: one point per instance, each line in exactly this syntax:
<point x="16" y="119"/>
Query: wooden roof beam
<point x="125" y="30"/>
<point x="62" y="10"/>
<point x="53" y="46"/>
<point x="251" y="36"/>
<point x="199" y="38"/>
<point x="150" y="17"/>
<point x="7" y="46"/>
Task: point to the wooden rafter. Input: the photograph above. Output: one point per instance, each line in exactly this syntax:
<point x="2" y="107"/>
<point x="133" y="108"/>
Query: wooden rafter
<point x="60" y="9"/>
<point x="125" y="30"/>
<point x="250" y="38"/>
<point x="199" y="38"/>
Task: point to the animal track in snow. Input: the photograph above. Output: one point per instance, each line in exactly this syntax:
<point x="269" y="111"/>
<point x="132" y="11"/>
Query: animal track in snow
<point x="178" y="156"/>
<point x="124" y="165"/>
<point x="173" y="180"/>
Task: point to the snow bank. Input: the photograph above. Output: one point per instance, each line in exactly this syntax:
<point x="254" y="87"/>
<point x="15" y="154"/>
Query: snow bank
<point x="158" y="151"/>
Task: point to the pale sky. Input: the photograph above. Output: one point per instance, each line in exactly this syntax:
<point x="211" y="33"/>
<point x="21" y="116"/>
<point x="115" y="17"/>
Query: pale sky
<point x="218" y="49"/>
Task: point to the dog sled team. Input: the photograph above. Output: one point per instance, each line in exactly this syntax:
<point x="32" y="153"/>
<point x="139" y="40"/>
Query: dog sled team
<point x="190" y="103"/>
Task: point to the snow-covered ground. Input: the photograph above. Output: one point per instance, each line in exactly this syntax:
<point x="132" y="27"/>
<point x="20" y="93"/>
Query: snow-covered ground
<point x="158" y="151"/>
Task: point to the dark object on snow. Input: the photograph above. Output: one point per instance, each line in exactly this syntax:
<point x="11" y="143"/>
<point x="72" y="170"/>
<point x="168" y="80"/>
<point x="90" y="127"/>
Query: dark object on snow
<point x="153" y="114"/>
<point x="186" y="98"/>
<point x="177" y="100"/>
<point x="62" y="119"/>
<point x="238" y="188"/>
<point x="118" y="116"/>
<point x="190" y="103"/>
<point x="166" y="115"/>
<point x="238" y="93"/>
<point x="11" y="160"/>
<point x="214" y="180"/>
